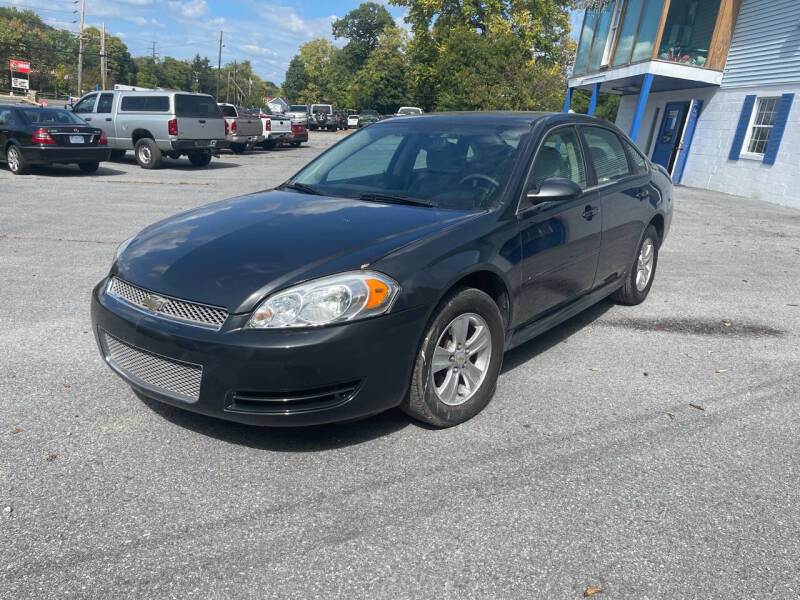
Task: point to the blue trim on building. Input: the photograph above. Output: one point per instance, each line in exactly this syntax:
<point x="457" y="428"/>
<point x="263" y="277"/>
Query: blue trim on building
<point x="776" y="136"/>
<point x="593" y="101"/>
<point x="568" y="100"/>
<point x="695" y="108"/>
<point x="741" y="128"/>
<point x="641" y="105"/>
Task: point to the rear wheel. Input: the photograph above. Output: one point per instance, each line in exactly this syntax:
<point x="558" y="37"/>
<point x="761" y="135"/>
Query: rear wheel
<point x="296" y="144"/>
<point x="455" y="373"/>
<point x="16" y="161"/>
<point x="88" y="167"/>
<point x="238" y="148"/>
<point x="640" y="277"/>
<point x="199" y="159"/>
<point x="268" y="144"/>
<point x="147" y="153"/>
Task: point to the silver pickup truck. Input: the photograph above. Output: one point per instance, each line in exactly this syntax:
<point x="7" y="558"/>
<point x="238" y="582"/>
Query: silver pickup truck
<point x="242" y="130"/>
<point x="277" y="129"/>
<point x="155" y="123"/>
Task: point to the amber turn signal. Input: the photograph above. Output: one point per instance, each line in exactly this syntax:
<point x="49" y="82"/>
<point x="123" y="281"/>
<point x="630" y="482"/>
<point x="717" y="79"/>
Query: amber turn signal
<point x="378" y="292"/>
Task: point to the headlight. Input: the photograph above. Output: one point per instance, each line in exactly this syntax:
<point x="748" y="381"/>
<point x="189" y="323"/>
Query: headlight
<point x="328" y="300"/>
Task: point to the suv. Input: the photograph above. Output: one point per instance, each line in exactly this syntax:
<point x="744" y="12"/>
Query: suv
<point x="323" y="116"/>
<point x="407" y="111"/>
<point x="155" y="123"/>
<point x="298" y="113"/>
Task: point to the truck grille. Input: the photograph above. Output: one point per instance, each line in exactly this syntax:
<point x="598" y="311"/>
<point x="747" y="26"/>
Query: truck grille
<point x="167" y="307"/>
<point x="170" y="377"/>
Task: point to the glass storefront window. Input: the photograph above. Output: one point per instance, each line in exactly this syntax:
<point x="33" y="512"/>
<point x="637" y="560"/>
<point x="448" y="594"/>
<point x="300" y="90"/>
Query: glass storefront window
<point x="648" y="30"/>
<point x="627" y="33"/>
<point x="600" y="37"/>
<point x="586" y="41"/>
<point x="688" y="31"/>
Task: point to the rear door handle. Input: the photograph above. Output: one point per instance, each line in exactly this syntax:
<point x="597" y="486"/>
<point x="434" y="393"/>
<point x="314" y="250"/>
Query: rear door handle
<point x="590" y="212"/>
<point x="87" y="118"/>
<point x="202" y="120"/>
<point x="109" y="119"/>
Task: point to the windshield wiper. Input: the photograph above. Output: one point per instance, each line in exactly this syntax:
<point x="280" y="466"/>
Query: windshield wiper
<point x="301" y="187"/>
<point x="395" y="199"/>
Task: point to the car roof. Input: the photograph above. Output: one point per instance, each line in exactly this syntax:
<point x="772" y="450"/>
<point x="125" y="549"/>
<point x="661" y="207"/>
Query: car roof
<point x="503" y="117"/>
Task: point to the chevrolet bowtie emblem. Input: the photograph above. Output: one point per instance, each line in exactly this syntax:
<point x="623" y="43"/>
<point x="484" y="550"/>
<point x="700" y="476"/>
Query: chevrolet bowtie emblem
<point x="154" y="303"/>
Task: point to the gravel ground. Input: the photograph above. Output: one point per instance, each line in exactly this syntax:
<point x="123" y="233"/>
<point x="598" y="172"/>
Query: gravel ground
<point x="650" y="451"/>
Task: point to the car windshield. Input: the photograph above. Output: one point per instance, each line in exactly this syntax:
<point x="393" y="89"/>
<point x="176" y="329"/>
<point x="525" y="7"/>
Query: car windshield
<point x="409" y="111"/>
<point x="321" y="108"/>
<point x="369" y="113"/>
<point x="56" y="116"/>
<point x="297" y="108"/>
<point x="462" y="166"/>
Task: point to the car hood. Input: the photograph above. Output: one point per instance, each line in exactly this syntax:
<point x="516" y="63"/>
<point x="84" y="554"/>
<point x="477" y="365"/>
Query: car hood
<point x="235" y="252"/>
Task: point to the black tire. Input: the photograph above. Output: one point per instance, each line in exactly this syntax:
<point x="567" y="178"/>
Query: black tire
<point x="199" y="159"/>
<point x="422" y="401"/>
<point x="238" y="148"/>
<point x="16" y="160"/>
<point x="117" y="155"/>
<point x="147" y="153"/>
<point x="268" y="145"/>
<point x="296" y="144"/>
<point x="174" y="155"/>
<point x="89" y="167"/>
<point x="630" y="293"/>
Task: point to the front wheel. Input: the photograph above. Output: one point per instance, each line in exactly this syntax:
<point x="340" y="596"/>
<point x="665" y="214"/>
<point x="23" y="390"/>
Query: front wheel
<point x="199" y="159"/>
<point x="456" y="369"/>
<point x="640" y="277"/>
<point x="89" y="167"/>
<point x="238" y="148"/>
<point x="16" y="160"/>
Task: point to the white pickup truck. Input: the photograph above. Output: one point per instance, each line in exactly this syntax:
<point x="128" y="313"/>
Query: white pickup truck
<point x="276" y="129"/>
<point x="242" y="130"/>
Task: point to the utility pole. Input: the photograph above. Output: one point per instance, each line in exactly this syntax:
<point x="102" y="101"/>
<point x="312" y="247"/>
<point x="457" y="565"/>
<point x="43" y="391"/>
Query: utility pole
<point x="228" y="88"/>
<point x="80" y="50"/>
<point x="234" y="78"/>
<point x="219" y="64"/>
<point x="103" y="57"/>
<point x="154" y="51"/>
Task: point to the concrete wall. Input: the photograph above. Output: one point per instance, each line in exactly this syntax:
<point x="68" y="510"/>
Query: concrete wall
<point x="708" y="166"/>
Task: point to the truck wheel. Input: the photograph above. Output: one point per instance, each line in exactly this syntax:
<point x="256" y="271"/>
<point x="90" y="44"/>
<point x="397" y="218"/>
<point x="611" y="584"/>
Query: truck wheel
<point x="117" y="155"/>
<point x="296" y="144"/>
<point x="199" y="159"/>
<point x="238" y="148"/>
<point x="89" y="167"/>
<point x="268" y="144"/>
<point x="147" y="153"/>
<point x="16" y="161"/>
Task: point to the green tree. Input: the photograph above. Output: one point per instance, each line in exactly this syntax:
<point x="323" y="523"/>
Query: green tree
<point x="296" y="79"/>
<point x="362" y="27"/>
<point x="381" y="83"/>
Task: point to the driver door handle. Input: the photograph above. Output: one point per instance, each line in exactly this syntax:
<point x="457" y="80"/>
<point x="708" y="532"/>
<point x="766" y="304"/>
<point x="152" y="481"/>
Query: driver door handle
<point x="108" y="119"/>
<point x="590" y="212"/>
<point x="87" y="118"/>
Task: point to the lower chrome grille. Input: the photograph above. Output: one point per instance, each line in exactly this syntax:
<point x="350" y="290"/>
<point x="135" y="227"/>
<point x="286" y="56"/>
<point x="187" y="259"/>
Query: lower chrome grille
<point x="167" y="376"/>
<point x="168" y="307"/>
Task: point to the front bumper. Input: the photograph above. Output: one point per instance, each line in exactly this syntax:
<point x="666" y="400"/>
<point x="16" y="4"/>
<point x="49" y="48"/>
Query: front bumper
<point x="274" y="378"/>
<point x="45" y="155"/>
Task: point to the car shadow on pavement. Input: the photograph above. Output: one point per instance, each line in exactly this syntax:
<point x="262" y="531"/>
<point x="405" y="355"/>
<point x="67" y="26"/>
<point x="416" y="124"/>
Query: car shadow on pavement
<point x="315" y="438"/>
<point x="181" y="164"/>
<point x="542" y="343"/>
<point x="71" y="171"/>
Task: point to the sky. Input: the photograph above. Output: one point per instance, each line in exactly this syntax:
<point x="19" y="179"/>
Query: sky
<point x="265" y="33"/>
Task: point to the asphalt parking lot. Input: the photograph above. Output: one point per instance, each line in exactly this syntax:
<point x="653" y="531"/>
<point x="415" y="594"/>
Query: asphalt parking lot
<point x="650" y="451"/>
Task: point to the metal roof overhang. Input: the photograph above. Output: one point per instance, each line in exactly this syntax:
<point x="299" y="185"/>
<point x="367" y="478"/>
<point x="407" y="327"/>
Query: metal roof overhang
<point x="667" y="76"/>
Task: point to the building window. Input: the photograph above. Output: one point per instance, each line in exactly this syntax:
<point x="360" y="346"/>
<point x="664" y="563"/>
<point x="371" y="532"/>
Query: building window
<point x="761" y="124"/>
<point x="688" y="31"/>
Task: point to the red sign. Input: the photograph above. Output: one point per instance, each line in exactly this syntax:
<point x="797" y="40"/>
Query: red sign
<point x="19" y="66"/>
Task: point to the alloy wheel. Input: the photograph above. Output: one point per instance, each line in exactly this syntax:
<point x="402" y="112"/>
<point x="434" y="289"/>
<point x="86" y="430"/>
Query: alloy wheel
<point x="12" y="156"/>
<point x="644" y="265"/>
<point x="461" y="359"/>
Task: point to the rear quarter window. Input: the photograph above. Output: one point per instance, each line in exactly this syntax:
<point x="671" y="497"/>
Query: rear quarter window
<point x="187" y="105"/>
<point x="228" y="111"/>
<point x="145" y="103"/>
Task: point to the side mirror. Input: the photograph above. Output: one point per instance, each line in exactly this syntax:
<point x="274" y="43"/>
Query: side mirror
<point x="554" y="189"/>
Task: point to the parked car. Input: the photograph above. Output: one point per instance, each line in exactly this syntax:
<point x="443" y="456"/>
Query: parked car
<point x="405" y="111"/>
<point x="155" y="124"/>
<point x="367" y="117"/>
<point x="341" y="118"/>
<point x="276" y="129"/>
<point x="30" y="135"/>
<point x="242" y="130"/>
<point x="353" y="288"/>
<point x="298" y="113"/>
<point x="299" y="134"/>
<point x="323" y="116"/>
<point x="353" y="121"/>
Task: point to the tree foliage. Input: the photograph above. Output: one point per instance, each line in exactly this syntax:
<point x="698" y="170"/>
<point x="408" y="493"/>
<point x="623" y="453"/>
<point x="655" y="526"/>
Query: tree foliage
<point x="362" y="27"/>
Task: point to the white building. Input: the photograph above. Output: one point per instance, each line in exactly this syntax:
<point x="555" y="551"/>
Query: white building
<point x="708" y="87"/>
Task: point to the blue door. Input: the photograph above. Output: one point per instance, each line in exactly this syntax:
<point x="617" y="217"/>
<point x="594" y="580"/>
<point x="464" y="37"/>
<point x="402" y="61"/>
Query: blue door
<point x="686" y="142"/>
<point x="669" y="135"/>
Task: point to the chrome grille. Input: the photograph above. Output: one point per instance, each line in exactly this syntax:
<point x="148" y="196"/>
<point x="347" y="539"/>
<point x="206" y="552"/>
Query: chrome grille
<point x="167" y="307"/>
<point x="165" y="375"/>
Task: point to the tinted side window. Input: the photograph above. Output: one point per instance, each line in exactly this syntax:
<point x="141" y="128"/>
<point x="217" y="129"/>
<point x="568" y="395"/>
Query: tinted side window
<point x="559" y="155"/>
<point x="606" y="153"/>
<point x="638" y="161"/>
<point x="145" y="103"/>
<point x="195" y="106"/>
<point x="104" y="104"/>
<point x="5" y="116"/>
<point x="372" y="159"/>
<point x="85" y="105"/>
<point x="228" y="111"/>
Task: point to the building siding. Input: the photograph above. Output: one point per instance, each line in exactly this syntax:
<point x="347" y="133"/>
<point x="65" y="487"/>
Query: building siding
<point x="766" y="44"/>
